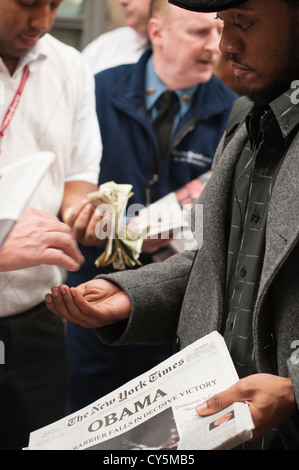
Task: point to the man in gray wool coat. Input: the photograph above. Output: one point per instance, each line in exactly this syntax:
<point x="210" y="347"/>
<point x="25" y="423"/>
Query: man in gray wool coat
<point x="244" y="280"/>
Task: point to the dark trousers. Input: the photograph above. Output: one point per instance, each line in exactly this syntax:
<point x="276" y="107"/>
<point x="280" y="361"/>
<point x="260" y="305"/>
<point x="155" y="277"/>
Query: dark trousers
<point x="33" y="379"/>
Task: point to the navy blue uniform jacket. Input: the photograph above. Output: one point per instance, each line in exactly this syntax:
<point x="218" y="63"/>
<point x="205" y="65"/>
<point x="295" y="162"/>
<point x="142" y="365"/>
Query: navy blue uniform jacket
<point x="130" y="150"/>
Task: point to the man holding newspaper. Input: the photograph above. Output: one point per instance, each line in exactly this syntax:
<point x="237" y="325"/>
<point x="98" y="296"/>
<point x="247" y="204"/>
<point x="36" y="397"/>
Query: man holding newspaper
<point x="243" y="281"/>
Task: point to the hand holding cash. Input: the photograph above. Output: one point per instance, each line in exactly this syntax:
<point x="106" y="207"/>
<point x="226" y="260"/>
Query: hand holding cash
<point x="157" y="225"/>
<point x="124" y="245"/>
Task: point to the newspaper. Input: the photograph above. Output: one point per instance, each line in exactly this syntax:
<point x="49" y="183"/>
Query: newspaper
<point x="170" y="217"/>
<point x="157" y="409"/>
<point x="17" y="183"/>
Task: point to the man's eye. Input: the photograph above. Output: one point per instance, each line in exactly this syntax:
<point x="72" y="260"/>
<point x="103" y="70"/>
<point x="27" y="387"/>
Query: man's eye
<point x="242" y="26"/>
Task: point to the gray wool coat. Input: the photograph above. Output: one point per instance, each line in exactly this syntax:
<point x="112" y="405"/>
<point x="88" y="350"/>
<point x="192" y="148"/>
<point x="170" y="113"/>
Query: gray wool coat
<point x="182" y="299"/>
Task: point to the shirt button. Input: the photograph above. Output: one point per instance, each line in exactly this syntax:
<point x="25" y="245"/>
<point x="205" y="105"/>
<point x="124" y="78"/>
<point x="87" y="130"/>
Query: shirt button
<point x="243" y="271"/>
<point x="255" y="218"/>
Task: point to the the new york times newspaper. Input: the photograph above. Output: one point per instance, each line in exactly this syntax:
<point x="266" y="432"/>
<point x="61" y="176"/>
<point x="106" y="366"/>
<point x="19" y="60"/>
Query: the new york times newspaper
<point x="157" y="409"/>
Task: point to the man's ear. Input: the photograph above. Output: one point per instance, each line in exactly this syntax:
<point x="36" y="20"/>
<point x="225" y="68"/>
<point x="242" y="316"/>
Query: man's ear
<point x="155" y="31"/>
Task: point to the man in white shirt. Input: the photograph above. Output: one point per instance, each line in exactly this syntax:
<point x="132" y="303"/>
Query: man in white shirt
<point x="122" y="45"/>
<point x="49" y="105"/>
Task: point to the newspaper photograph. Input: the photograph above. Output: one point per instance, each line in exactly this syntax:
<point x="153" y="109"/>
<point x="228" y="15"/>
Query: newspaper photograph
<point x="156" y="410"/>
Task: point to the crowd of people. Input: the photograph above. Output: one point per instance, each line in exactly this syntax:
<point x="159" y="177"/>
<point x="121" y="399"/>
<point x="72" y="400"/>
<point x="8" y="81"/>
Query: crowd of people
<point x="180" y="65"/>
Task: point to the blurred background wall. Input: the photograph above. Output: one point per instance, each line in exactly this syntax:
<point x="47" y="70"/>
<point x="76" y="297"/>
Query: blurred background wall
<point x="80" y="21"/>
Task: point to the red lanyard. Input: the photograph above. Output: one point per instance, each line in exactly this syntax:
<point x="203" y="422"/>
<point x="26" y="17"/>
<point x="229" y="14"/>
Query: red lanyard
<point x="15" y="102"/>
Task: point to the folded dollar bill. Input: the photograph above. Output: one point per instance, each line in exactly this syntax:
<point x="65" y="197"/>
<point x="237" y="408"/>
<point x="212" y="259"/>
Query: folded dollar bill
<point x="124" y="245"/>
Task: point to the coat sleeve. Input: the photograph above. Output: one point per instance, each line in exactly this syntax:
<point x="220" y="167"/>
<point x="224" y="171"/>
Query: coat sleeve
<point x="156" y="293"/>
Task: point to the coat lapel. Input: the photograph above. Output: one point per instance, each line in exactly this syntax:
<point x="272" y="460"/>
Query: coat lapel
<point x="283" y="218"/>
<point x="209" y="269"/>
<point x="215" y="200"/>
<point x="281" y="237"/>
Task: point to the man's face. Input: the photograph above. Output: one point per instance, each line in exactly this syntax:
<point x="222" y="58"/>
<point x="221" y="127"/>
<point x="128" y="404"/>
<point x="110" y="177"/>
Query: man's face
<point x="23" y="23"/>
<point x="136" y="14"/>
<point x="261" y="40"/>
<point x="190" y="46"/>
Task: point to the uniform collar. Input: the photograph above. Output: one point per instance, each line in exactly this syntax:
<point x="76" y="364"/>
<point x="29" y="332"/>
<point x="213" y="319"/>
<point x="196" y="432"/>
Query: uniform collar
<point x="155" y="87"/>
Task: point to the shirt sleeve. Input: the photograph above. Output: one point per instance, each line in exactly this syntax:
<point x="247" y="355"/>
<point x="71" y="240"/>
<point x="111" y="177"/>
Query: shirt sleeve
<point x="86" y="142"/>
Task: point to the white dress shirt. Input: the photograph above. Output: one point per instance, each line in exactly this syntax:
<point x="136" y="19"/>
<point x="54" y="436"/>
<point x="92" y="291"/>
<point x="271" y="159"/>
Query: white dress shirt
<point x="120" y="46"/>
<point x="56" y="113"/>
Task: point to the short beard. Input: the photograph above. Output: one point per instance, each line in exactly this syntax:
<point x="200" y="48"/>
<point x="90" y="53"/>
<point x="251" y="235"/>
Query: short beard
<point x="267" y="94"/>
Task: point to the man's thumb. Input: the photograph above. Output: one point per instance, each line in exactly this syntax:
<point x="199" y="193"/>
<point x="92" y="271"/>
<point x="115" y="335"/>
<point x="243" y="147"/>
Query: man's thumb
<point x="211" y="406"/>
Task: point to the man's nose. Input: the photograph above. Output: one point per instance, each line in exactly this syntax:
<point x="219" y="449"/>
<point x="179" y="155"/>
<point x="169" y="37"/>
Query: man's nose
<point x="229" y="42"/>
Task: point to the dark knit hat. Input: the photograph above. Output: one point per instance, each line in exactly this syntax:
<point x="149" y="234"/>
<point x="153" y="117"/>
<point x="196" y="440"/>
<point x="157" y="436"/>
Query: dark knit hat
<point x="207" y="6"/>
